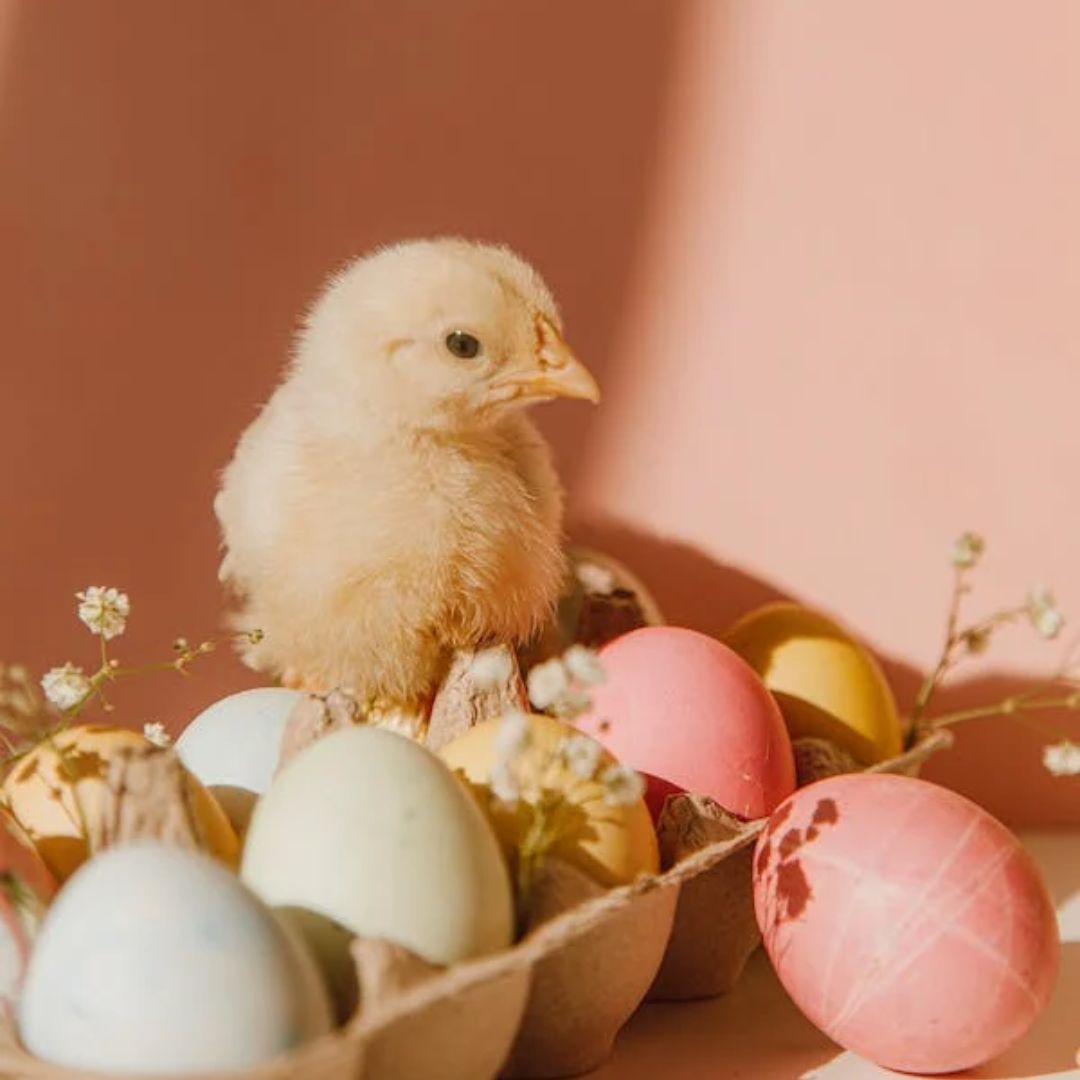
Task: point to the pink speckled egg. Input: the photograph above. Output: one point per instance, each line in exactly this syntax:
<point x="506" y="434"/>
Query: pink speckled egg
<point x="679" y="705"/>
<point x="906" y="922"/>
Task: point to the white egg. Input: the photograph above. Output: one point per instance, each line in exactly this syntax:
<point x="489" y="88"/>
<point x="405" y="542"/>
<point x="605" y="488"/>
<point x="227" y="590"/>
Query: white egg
<point x="156" y="959"/>
<point x="369" y="831"/>
<point x="233" y="746"/>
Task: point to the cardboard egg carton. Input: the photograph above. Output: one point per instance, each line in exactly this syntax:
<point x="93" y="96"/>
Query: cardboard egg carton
<point x="549" y="1006"/>
<point x="552" y="1004"/>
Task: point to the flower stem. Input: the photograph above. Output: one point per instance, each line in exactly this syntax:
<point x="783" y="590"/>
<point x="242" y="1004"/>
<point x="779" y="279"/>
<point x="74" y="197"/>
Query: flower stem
<point x="1011" y="706"/>
<point x="933" y="680"/>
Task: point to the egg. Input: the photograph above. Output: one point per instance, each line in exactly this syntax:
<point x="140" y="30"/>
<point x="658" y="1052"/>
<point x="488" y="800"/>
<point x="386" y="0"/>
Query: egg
<point x="156" y="959"/>
<point x="613" y="844"/>
<point x="57" y="786"/>
<point x="826" y="684"/>
<point x="26" y="887"/>
<point x="366" y="832"/>
<point x="906" y="922"/>
<point x="683" y="707"/>
<point x="233" y="746"/>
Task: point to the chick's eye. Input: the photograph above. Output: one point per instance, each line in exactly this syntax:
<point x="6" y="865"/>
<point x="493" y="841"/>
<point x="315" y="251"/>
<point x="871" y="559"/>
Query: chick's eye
<point x="463" y="345"/>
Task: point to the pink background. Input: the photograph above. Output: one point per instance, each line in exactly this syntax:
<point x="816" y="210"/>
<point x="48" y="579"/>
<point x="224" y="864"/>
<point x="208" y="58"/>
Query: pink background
<point x="824" y="259"/>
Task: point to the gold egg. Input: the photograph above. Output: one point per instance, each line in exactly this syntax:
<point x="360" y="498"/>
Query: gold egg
<point x="54" y="789"/>
<point x="613" y="844"/>
<point x="827" y="685"/>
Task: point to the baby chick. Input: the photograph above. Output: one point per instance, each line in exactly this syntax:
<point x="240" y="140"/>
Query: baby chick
<point x="392" y="502"/>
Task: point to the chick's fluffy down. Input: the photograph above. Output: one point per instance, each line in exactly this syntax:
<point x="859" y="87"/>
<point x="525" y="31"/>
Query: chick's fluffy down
<point x="368" y="533"/>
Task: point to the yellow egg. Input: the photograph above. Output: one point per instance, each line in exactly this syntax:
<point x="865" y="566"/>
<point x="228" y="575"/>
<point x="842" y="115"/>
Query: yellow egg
<point x="826" y="683"/>
<point x="613" y="844"/>
<point x="53" y="790"/>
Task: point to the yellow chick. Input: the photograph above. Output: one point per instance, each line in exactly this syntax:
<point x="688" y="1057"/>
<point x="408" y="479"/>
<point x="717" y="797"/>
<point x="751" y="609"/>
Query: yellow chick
<point x="392" y="502"/>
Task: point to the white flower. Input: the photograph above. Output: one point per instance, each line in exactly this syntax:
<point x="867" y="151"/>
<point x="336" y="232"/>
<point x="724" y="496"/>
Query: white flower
<point x="1062" y="759"/>
<point x="622" y="785"/>
<point x="511" y="743"/>
<point x="65" y="686"/>
<point x="570" y="704"/>
<point x="967" y="550"/>
<point x="512" y="738"/>
<point x="581" y="755"/>
<point x="491" y="668"/>
<point x="584" y="665"/>
<point x="1043" y="613"/>
<point x="548" y="682"/>
<point x="504" y="784"/>
<point x="595" y="580"/>
<point x="104" y="611"/>
<point x="157" y="734"/>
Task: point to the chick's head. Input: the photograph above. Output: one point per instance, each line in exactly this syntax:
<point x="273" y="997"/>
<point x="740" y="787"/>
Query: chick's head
<point x="439" y="333"/>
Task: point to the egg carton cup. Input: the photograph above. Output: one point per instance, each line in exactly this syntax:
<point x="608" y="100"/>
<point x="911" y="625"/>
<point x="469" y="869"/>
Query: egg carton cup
<point x="601" y="599"/>
<point x="592" y="966"/>
<point x="715" y="930"/>
<point x="458" y="1022"/>
<point x="550" y="1006"/>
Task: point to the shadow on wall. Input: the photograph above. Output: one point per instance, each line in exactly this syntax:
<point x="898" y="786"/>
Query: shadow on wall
<point x="175" y="181"/>
<point x="695" y="590"/>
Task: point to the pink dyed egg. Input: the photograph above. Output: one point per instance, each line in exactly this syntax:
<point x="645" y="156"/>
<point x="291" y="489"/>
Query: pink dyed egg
<point x="681" y="706"/>
<point x="906" y="922"/>
<point x="26" y="887"/>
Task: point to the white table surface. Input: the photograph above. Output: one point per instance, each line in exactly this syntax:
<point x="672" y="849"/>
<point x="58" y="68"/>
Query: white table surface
<point x="756" y="1032"/>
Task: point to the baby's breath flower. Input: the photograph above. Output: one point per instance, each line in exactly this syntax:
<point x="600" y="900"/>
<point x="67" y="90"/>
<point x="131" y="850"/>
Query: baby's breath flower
<point x="65" y="686"/>
<point x="581" y="755"/>
<point x="1062" y="759"/>
<point x="967" y="550"/>
<point x="583" y="664"/>
<point x="623" y="786"/>
<point x="491" y="668"/>
<point x="1044" y="614"/>
<point x="512" y="742"/>
<point x="504" y="783"/>
<point x="156" y="734"/>
<point x="595" y="580"/>
<point x="548" y="682"/>
<point x="104" y="610"/>
<point x="570" y="704"/>
<point x="512" y="738"/>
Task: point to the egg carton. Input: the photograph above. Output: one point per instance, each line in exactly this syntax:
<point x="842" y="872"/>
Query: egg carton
<point x="553" y="1004"/>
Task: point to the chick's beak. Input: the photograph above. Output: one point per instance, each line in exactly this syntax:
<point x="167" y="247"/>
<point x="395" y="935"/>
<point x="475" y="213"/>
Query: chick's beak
<point x="559" y="372"/>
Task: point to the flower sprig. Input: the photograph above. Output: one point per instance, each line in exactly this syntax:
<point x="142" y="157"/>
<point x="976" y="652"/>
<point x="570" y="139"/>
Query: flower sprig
<point x="27" y="715"/>
<point x="964" y="640"/>
<point x="551" y="782"/>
